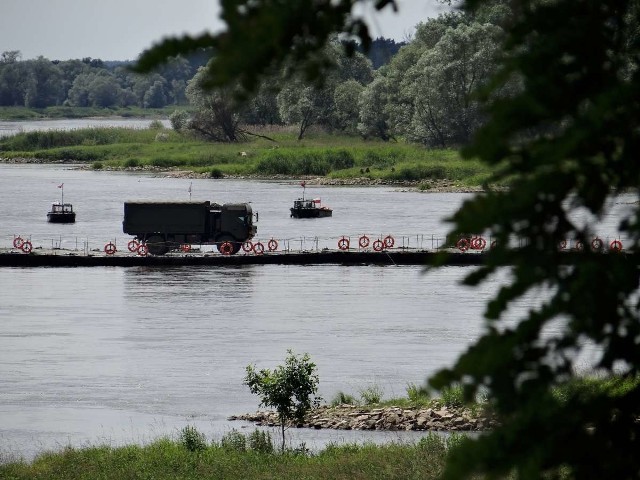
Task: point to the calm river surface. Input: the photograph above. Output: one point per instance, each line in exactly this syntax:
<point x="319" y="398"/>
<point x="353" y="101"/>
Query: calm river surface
<point x="120" y="355"/>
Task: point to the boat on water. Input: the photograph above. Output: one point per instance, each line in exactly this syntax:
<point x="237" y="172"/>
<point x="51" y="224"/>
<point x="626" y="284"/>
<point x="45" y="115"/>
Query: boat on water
<point x="309" y="208"/>
<point x="61" y="212"/>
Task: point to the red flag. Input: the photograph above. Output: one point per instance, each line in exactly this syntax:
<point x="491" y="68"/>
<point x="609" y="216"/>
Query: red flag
<point x="60" y="186"/>
<point x="316" y="200"/>
<point x="303" y="184"/>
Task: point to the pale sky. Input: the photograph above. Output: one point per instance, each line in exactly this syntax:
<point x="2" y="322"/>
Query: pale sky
<point x="122" y="29"/>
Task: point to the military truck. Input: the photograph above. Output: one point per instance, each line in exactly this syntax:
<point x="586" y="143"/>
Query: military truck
<point x="165" y="226"/>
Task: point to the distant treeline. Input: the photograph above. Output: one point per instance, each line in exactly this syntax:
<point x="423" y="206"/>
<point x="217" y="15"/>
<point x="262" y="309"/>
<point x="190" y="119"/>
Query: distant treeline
<point x="91" y="82"/>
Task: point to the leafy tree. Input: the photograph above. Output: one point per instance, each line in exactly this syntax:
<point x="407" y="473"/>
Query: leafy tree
<point x="569" y="142"/>
<point x="439" y="86"/>
<point x="96" y="88"/>
<point x="382" y="51"/>
<point x="307" y="104"/>
<point x="10" y="56"/>
<point x="303" y="104"/>
<point x="262" y="108"/>
<point x="345" y="99"/>
<point x="289" y="388"/>
<point x="374" y="120"/>
<point x="155" y="96"/>
<point x="216" y="116"/>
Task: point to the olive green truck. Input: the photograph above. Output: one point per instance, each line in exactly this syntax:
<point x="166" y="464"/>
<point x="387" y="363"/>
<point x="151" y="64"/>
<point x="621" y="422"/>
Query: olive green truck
<point x="165" y="226"/>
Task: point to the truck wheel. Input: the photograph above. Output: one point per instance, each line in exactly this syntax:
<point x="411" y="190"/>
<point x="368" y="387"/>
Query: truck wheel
<point x="235" y="245"/>
<point x="157" y="245"/>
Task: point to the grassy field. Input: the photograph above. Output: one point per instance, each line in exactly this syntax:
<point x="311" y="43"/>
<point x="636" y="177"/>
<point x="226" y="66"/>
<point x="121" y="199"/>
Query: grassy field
<point x="319" y="154"/>
<point x="237" y="457"/>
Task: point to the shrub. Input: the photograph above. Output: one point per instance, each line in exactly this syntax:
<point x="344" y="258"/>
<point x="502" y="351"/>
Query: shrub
<point x="289" y="388"/>
<point x="374" y="159"/>
<point x="216" y="173"/>
<point x="417" y="394"/>
<point x="275" y="164"/>
<point x="235" y="441"/>
<point x="343" y="398"/>
<point x="97" y="165"/>
<point x="340" y="160"/>
<point x="371" y="395"/>
<point x="433" y="444"/>
<point x="179" y="120"/>
<point x="453" y="396"/>
<point x="260" y="441"/>
<point x="156" y="125"/>
<point x="132" y="163"/>
<point x="192" y="439"/>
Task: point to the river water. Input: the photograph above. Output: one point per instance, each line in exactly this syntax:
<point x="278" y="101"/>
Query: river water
<point x="120" y="355"/>
<point x="8" y="128"/>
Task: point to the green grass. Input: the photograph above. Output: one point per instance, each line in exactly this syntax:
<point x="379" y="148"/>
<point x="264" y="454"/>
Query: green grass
<point x="168" y="459"/>
<point x="332" y="156"/>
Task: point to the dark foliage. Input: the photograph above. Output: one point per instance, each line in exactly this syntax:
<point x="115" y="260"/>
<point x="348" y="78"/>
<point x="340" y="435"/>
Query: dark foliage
<point x="570" y="140"/>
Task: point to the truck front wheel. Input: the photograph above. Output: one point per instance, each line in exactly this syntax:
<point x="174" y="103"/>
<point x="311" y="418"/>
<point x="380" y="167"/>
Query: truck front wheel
<point x="157" y="245"/>
<point x="236" y="245"/>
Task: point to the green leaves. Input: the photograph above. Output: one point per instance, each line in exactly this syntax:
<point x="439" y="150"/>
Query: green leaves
<point x="566" y="140"/>
<point x="289" y="388"/>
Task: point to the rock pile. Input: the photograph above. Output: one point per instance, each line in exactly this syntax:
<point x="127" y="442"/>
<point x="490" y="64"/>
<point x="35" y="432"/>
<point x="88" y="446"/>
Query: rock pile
<point x="350" y="417"/>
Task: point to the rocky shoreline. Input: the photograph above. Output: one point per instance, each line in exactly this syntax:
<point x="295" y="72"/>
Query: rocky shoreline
<point x="351" y="417"/>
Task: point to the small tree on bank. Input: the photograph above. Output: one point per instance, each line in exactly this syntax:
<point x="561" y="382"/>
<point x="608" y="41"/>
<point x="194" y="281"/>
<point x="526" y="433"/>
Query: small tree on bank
<point x="290" y="388"/>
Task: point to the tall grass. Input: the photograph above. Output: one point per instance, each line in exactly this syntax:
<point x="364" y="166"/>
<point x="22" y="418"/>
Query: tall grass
<point x="167" y="459"/>
<point x="320" y="155"/>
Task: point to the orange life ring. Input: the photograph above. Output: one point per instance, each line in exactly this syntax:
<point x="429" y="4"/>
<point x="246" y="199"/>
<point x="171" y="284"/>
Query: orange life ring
<point x="579" y="245"/>
<point x="615" y="246"/>
<point x="363" y="241"/>
<point x="26" y="247"/>
<point x="478" y="243"/>
<point x="226" y="248"/>
<point x="133" y="245"/>
<point x="463" y="244"/>
<point x="272" y="245"/>
<point x="596" y="244"/>
<point x="378" y="245"/>
<point x="142" y="250"/>
<point x="110" y="248"/>
<point x="17" y="242"/>
<point x="185" y="247"/>
<point x="388" y="241"/>
<point x="258" y="248"/>
<point x="343" y="243"/>
<point x="247" y="246"/>
<point x="562" y="245"/>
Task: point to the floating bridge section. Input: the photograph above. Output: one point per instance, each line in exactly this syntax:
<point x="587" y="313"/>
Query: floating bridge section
<point x="61" y="258"/>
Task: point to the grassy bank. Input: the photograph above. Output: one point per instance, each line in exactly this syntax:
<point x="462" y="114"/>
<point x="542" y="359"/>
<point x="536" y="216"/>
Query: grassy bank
<point x="237" y="457"/>
<point x="322" y="155"/>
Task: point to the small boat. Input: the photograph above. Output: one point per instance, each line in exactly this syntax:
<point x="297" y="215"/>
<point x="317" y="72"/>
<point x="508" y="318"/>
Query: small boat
<point x="306" y="208"/>
<point x="309" y="209"/>
<point x="61" y="212"/>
